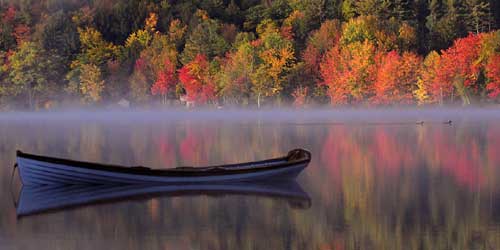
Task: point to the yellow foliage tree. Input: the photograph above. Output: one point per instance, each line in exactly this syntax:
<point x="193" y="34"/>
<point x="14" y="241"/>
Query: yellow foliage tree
<point x="91" y="83"/>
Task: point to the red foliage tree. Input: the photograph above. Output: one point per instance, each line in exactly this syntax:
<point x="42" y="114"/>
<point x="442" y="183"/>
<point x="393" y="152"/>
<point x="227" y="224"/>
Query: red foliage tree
<point x="197" y="81"/>
<point x="459" y="69"/>
<point x="387" y="78"/>
<point x="166" y="80"/>
<point x="299" y="95"/>
<point x="287" y="32"/>
<point x="312" y="58"/>
<point x="321" y="40"/>
<point x="21" y="33"/>
<point x="493" y="74"/>
<point x="140" y="64"/>
<point x="9" y="15"/>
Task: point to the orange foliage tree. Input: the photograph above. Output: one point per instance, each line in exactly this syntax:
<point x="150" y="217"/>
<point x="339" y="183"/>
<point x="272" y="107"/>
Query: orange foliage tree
<point x="396" y="78"/>
<point x="349" y="72"/>
<point x="197" y="81"/>
<point x="21" y="33"/>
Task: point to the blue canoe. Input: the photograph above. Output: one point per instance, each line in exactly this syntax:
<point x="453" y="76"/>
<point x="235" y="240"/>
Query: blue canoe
<point x="36" y="170"/>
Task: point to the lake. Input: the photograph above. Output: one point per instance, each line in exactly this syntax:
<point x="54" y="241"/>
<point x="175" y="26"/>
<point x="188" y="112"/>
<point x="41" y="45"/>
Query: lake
<point x="378" y="180"/>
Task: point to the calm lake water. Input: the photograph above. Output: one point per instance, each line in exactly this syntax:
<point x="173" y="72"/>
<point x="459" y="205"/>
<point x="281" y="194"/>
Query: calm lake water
<point x="377" y="180"/>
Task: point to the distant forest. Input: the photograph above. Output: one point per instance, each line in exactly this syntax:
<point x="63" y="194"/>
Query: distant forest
<point x="151" y="53"/>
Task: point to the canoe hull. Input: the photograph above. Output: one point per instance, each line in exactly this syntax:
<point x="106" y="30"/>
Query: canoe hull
<point x="37" y="172"/>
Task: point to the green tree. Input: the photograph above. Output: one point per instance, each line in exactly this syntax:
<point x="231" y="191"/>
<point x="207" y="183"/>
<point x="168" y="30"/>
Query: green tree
<point x="376" y="8"/>
<point x="276" y="10"/>
<point x="30" y="69"/>
<point x="4" y="68"/>
<point x="118" y="19"/>
<point x="348" y="9"/>
<point x="204" y="39"/>
<point x="478" y="16"/>
<point x="59" y="35"/>
<point x="234" y="79"/>
<point x="7" y="22"/>
<point x="445" y="22"/>
<point x="403" y="10"/>
<point x="94" y="51"/>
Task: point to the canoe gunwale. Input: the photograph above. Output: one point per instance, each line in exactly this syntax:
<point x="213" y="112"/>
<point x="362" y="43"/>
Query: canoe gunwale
<point x="293" y="158"/>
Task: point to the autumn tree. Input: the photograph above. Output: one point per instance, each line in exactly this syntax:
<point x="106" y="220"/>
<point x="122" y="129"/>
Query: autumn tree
<point x="94" y="51"/>
<point x="300" y="96"/>
<point x="139" y="83"/>
<point x="493" y="74"/>
<point x="349" y="72"/>
<point x="176" y="32"/>
<point x="387" y="35"/>
<point x="198" y="81"/>
<point x="91" y="83"/>
<point x="276" y="58"/>
<point x="140" y="39"/>
<point x="489" y="46"/>
<point x="30" y="73"/>
<point x="166" y="81"/>
<point x="396" y="78"/>
<point x="429" y="90"/>
<point x="320" y="41"/>
<point x="154" y="51"/>
<point x="459" y="69"/>
<point x="235" y="76"/>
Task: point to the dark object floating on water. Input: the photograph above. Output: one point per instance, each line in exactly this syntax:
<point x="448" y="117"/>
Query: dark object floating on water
<point x="448" y="122"/>
<point x="37" y="170"/>
<point x="48" y="199"/>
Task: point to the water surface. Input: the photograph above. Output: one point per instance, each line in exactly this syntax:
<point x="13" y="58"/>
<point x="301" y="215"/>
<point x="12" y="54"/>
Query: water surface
<point x="378" y="180"/>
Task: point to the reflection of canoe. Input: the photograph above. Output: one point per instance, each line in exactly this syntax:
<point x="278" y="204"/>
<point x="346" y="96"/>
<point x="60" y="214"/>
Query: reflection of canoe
<point x="41" y="199"/>
<point x="42" y="170"/>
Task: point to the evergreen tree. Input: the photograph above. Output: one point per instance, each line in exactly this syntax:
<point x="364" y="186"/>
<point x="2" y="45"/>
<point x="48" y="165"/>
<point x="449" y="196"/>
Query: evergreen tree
<point x="204" y="39"/>
<point x="403" y="10"/>
<point x="478" y="16"/>
<point x="445" y="22"/>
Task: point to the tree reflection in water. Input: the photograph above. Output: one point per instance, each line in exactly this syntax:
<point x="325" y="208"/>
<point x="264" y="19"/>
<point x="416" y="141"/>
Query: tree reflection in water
<point x="371" y="186"/>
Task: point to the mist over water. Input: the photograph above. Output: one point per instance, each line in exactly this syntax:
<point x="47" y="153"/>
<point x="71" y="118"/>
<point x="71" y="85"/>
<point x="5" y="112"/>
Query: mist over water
<point x="379" y="179"/>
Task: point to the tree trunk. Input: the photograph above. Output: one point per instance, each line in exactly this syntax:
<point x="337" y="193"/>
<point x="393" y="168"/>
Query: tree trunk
<point x="441" y="96"/>
<point x="30" y="99"/>
<point x="258" y="100"/>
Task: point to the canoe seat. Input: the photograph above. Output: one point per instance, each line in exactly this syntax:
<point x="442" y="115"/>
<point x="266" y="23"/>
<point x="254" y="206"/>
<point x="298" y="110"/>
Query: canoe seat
<point x="297" y="154"/>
